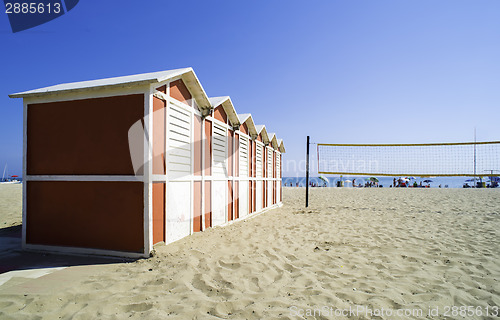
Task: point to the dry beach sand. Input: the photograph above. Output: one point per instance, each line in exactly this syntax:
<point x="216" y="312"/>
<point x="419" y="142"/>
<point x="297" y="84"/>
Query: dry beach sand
<point x="10" y="205"/>
<point x="352" y="248"/>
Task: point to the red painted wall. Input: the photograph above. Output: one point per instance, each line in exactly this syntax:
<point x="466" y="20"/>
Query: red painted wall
<point x="101" y="215"/>
<point x="198" y="142"/>
<point x="158" y="212"/>
<point x="208" y="204"/>
<point x="179" y="91"/>
<point x="82" y="137"/>
<point x="208" y="148"/>
<point x="220" y="114"/>
<point x="159" y="133"/>
<point x="197" y="213"/>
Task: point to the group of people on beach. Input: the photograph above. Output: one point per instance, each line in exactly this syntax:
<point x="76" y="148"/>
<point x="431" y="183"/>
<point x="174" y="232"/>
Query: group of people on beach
<point x="405" y="183"/>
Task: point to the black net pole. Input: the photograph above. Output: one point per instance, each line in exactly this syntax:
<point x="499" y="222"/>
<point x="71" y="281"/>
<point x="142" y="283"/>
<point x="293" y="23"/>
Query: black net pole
<point x="307" y="173"/>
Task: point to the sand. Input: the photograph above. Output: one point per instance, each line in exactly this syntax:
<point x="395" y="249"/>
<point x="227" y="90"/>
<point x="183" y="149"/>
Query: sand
<point x="10" y="205"/>
<point x="396" y="249"/>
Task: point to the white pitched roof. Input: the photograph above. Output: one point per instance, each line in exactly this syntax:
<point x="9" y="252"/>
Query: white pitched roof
<point x="132" y="79"/>
<point x="187" y="74"/>
<point x="243" y="117"/>
<point x="217" y="101"/>
<point x="274" y="141"/>
<point x="261" y="129"/>
<point x="227" y="104"/>
<point x="281" y="146"/>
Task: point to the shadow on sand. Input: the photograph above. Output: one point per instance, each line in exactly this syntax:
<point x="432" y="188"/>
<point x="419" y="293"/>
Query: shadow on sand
<point x="12" y="257"/>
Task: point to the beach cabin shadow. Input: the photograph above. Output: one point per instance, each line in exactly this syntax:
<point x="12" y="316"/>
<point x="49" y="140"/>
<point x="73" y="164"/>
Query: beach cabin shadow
<point x="13" y="258"/>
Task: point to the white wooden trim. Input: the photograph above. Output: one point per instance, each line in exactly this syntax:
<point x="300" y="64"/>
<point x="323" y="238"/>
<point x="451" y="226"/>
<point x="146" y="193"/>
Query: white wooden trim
<point x="88" y="94"/>
<point x="148" y="171"/>
<point x="203" y="174"/>
<point x="214" y="120"/>
<point x="25" y="173"/>
<point x="83" y="251"/>
<point x="165" y="205"/>
<point x="191" y="185"/>
<point x="128" y="178"/>
<point x="243" y="134"/>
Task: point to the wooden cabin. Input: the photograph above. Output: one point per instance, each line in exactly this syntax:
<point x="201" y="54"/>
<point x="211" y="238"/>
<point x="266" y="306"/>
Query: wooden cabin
<point x="115" y="166"/>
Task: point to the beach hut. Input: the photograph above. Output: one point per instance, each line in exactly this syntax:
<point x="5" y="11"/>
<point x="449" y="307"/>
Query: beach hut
<point x="114" y="166"/>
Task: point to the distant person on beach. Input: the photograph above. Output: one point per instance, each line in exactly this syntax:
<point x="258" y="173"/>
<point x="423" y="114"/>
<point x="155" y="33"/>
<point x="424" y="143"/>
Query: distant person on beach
<point x="394" y="182"/>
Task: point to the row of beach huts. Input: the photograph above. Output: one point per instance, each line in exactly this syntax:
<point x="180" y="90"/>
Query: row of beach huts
<point x="115" y="166"/>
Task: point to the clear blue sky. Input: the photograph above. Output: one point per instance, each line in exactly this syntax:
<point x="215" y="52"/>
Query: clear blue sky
<point x="340" y="71"/>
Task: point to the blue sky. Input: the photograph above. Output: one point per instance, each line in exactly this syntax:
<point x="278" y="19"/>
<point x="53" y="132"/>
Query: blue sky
<point x="339" y="71"/>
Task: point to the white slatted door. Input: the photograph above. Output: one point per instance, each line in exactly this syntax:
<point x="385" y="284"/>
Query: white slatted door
<point x="243" y="192"/>
<point x="243" y="157"/>
<point x="219" y="149"/>
<point x="179" y="197"/>
<point x="258" y="185"/>
<point x="270" y="175"/>
<point x="219" y="152"/>
<point x="179" y="142"/>
<point x="278" y="175"/>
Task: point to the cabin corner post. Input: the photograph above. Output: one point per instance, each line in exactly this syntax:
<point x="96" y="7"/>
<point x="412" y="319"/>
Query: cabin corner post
<point x="148" y="171"/>
<point x="24" y="173"/>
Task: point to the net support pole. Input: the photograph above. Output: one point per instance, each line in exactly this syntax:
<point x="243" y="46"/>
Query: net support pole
<point x="307" y="173"/>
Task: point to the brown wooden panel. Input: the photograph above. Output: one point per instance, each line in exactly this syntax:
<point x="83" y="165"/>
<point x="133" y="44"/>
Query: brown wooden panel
<point x="281" y="178"/>
<point x="244" y="128"/>
<point x="159" y="135"/>
<point x="237" y="155"/>
<point x="230" y="200"/>
<point x="197" y="219"/>
<point x="208" y="204"/>
<point x="158" y="212"/>
<point x="208" y="148"/>
<point x="162" y="89"/>
<point x="236" y="198"/>
<point x="254" y="196"/>
<point x="250" y="197"/>
<point x="82" y="137"/>
<point x="250" y="158"/>
<point x="264" y="193"/>
<point x="220" y="114"/>
<point x="230" y="141"/>
<point x="259" y="137"/>
<point x="197" y="146"/>
<point x="274" y="192"/>
<point x="101" y="215"/>
<point x="179" y="91"/>
<point x="264" y="161"/>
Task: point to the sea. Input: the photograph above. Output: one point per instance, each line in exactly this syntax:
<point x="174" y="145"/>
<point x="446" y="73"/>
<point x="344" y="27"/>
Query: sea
<point x="385" y="182"/>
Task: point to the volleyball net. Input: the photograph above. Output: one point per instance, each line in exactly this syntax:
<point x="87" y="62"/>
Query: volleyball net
<point x="433" y="159"/>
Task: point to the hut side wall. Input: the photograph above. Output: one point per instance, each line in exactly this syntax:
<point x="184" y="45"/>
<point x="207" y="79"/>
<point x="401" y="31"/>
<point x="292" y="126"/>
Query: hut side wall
<point x="199" y="172"/>
<point x="82" y="137"/>
<point x="85" y="214"/>
<point x="80" y="189"/>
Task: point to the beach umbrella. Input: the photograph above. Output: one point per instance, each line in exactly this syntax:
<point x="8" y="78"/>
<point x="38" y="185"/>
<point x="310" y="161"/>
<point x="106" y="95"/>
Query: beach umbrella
<point x="14" y="176"/>
<point x="404" y="179"/>
<point x="413" y="178"/>
<point x="325" y="180"/>
<point x="427" y="181"/>
<point x="374" y="179"/>
<point x="348" y="181"/>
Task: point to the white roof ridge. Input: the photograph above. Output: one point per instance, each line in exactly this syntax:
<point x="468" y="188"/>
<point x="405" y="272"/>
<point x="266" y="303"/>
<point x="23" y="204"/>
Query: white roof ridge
<point x="129" y="79"/>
